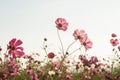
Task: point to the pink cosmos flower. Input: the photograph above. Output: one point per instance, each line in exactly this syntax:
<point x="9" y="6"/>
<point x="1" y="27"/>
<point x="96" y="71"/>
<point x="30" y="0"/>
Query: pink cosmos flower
<point x="93" y="60"/>
<point x="86" y="42"/>
<point x="114" y="42"/>
<point x="78" y="34"/>
<point x="61" y="24"/>
<point x="51" y="55"/>
<point x="14" y="48"/>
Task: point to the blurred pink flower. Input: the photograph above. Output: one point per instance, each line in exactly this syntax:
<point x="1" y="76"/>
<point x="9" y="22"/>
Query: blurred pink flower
<point x="78" y="34"/>
<point x="117" y="77"/>
<point x="87" y="77"/>
<point x="51" y="55"/>
<point x="61" y="24"/>
<point x="114" y="42"/>
<point x="32" y="74"/>
<point x="56" y="65"/>
<point x="69" y="76"/>
<point x="113" y="35"/>
<point x="14" y="48"/>
<point x="107" y="75"/>
<point x="93" y="60"/>
<point x="119" y="47"/>
<point x="94" y="70"/>
<point x="84" y="61"/>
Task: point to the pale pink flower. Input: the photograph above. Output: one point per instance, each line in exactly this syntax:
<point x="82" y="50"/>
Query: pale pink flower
<point x="61" y="24"/>
<point x="14" y="48"/>
<point x="87" y="77"/>
<point x="114" y="42"/>
<point x="86" y="42"/>
<point x="78" y="34"/>
<point x="69" y="76"/>
<point x="56" y="65"/>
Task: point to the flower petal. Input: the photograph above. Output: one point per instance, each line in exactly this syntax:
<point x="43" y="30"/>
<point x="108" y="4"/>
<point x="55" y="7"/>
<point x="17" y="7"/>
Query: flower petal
<point x="20" y="48"/>
<point x="12" y="42"/>
<point x="19" y="42"/>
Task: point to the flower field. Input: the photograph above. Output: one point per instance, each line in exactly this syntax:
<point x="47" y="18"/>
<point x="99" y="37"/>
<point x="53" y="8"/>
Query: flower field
<point x="60" y="67"/>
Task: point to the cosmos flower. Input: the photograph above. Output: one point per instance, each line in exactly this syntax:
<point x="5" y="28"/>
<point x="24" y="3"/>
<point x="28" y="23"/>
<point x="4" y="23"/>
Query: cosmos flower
<point x="14" y="48"/>
<point x="86" y="42"/>
<point x="78" y="34"/>
<point x="61" y="24"/>
<point x="114" y="42"/>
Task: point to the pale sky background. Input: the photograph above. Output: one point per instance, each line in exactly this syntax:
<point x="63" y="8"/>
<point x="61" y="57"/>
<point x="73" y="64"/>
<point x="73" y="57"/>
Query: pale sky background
<point x="32" y="20"/>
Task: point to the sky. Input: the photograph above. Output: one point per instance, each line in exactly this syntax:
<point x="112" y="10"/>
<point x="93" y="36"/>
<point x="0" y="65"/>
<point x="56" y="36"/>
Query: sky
<point x="33" y="20"/>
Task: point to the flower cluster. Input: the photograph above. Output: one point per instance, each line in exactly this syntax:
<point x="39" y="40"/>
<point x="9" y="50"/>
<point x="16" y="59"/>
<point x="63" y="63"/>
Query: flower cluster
<point x="83" y="38"/>
<point x="59" y="67"/>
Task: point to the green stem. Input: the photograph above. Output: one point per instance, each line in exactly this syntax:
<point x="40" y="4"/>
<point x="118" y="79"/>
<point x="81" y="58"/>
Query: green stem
<point x="60" y="42"/>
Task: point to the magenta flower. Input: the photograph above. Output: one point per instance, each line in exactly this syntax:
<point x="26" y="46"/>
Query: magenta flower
<point x="86" y="42"/>
<point x="14" y="48"/>
<point x="78" y="34"/>
<point x="114" y="42"/>
<point x="61" y="24"/>
<point x="84" y="61"/>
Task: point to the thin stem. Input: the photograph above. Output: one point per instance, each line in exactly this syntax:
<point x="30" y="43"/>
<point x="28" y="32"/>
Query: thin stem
<point x="60" y="42"/>
<point x="113" y="62"/>
<point x="76" y="50"/>
<point x="70" y="45"/>
<point x="44" y="47"/>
